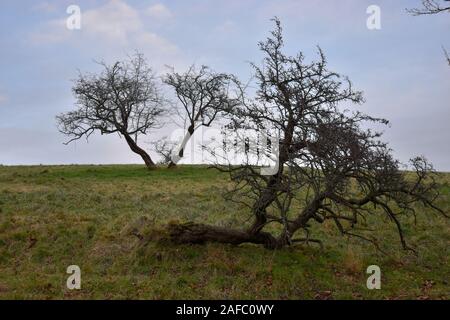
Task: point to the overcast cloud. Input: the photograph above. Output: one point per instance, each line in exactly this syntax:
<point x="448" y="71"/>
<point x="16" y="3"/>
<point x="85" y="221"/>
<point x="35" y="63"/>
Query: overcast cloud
<point x="401" y="68"/>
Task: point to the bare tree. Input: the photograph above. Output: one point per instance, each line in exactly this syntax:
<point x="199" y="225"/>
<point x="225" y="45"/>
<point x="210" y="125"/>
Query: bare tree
<point x="431" y="7"/>
<point x="330" y="168"/>
<point x="164" y="148"/>
<point x="446" y="55"/>
<point x="203" y="95"/>
<point x="124" y="99"/>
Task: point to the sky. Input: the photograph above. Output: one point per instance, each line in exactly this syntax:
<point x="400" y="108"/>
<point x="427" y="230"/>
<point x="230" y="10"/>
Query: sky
<point x="400" y="67"/>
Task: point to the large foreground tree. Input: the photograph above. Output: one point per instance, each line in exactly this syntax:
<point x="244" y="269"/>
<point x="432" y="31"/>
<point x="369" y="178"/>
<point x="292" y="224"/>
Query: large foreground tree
<point x="124" y="99"/>
<point x="330" y="168"/>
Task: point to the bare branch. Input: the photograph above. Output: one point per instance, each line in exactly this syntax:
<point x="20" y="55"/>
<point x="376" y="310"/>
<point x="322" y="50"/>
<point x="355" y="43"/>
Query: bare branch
<point x="430" y="7"/>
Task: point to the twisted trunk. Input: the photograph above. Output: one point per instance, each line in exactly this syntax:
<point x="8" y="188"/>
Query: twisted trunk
<point x="136" y="149"/>
<point x="270" y="193"/>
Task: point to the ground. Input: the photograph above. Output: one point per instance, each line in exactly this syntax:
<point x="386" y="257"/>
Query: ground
<point x="55" y="216"/>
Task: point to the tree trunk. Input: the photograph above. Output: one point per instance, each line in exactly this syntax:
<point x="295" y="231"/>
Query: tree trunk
<point x="136" y="149"/>
<point x="186" y="138"/>
<point x="195" y="233"/>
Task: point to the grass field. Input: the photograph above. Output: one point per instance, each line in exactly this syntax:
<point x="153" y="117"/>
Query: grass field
<point x="55" y="216"/>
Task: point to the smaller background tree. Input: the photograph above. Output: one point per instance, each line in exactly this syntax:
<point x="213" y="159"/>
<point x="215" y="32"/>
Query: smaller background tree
<point x="124" y="98"/>
<point x="164" y="148"/>
<point x="203" y="95"/>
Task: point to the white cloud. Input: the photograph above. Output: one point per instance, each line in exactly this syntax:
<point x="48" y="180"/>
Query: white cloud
<point x="159" y="12"/>
<point x="148" y="39"/>
<point x="115" y="24"/>
<point x="116" y="21"/>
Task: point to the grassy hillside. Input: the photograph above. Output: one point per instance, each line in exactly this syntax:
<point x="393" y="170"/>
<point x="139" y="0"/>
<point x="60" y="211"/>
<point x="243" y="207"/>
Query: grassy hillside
<point x="55" y="216"/>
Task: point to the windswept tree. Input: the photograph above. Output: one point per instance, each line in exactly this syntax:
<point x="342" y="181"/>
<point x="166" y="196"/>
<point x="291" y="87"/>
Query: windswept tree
<point x="124" y="99"/>
<point x="330" y="168"/>
<point x="203" y="95"/>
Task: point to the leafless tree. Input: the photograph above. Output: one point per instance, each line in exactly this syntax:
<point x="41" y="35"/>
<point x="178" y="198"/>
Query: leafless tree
<point x="431" y="7"/>
<point x="330" y="168"/>
<point x="203" y="95"/>
<point x="446" y="55"/>
<point x="124" y="99"/>
<point x="164" y="148"/>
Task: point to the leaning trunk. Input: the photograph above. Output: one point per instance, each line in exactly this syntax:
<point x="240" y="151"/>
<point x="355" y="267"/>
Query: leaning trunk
<point x="136" y="149"/>
<point x="186" y="138"/>
<point x="196" y="233"/>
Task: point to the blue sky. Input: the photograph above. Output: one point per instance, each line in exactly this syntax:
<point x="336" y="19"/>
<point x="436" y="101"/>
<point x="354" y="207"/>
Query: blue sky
<point x="401" y="68"/>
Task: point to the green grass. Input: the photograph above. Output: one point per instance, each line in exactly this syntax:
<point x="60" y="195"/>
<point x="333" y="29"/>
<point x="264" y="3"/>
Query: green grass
<point x="55" y="216"/>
